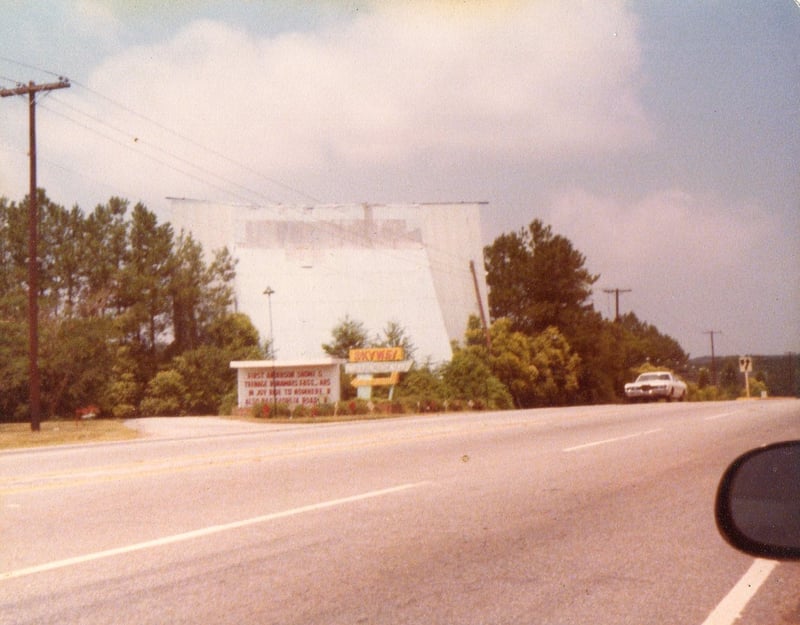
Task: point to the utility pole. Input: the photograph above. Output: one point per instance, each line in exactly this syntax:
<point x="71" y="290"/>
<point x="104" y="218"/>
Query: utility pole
<point x="480" y="306"/>
<point x="31" y="89"/>
<point x="711" y="333"/>
<point x="269" y="292"/>
<point x="616" y="294"/>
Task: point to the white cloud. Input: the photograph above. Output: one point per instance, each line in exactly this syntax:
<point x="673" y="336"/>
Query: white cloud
<point x="93" y="19"/>
<point x="671" y="230"/>
<point x="530" y="80"/>
<point x="693" y="263"/>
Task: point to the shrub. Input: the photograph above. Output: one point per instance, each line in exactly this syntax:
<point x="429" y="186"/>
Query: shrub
<point x="325" y="409"/>
<point x="756" y="387"/>
<point x="228" y="403"/>
<point x="164" y="395"/>
<point x="123" y="411"/>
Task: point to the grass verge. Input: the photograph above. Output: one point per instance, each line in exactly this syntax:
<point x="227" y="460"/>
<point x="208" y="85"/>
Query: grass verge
<point x="19" y="435"/>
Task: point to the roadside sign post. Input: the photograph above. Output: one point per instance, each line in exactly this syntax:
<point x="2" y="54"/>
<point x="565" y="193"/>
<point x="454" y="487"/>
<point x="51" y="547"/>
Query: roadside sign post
<point x="746" y="367"/>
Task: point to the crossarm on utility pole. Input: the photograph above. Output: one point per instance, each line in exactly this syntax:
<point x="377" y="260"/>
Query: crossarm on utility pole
<point x="616" y="293"/>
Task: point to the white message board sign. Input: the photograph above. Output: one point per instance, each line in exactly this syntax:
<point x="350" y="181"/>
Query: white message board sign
<point x="290" y="383"/>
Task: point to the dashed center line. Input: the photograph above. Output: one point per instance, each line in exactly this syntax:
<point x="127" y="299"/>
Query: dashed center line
<point x="722" y="415"/>
<point x="611" y="440"/>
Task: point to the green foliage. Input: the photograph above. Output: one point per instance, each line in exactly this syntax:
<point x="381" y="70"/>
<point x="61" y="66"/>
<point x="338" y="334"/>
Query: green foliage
<point x="164" y="394"/>
<point x="348" y="334"/>
<point x="421" y="383"/>
<point x="228" y="403"/>
<point x="75" y="357"/>
<point x="556" y="366"/>
<point x="703" y="378"/>
<point x="756" y="388"/>
<point x="644" y="343"/>
<point x="538" y="281"/>
<point x="13" y="369"/>
<point x="125" y="307"/>
<point x="729" y="377"/>
<point x="395" y="335"/>
<point x="536" y="371"/>
<point x="123" y="391"/>
<point x="467" y="377"/>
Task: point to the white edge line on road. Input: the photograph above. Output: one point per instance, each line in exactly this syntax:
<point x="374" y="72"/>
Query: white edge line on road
<point x="730" y="608"/>
<point x="206" y="531"/>
<point x="610" y="440"/>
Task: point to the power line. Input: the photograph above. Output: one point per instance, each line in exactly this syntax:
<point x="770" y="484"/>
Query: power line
<point x="133" y="143"/>
<point x="196" y="144"/>
<point x="192" y="142"/>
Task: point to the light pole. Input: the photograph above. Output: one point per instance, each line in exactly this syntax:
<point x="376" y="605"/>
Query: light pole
<point x="268" y="292"/>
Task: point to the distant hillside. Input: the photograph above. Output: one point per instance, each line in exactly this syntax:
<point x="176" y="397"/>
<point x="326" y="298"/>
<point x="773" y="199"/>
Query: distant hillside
<point x="781" y="373"/>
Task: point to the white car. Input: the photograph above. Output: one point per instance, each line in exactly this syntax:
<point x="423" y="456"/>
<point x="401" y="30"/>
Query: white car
<point x="655" y="385"/>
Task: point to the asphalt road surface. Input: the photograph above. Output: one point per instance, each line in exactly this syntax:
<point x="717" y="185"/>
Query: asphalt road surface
<point x="594" y="515"/>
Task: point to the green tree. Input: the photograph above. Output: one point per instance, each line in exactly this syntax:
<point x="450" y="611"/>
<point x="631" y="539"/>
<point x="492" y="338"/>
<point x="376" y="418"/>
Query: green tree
<point x="510" y="358"/>
<point x="105" y="252"/>
<point x="123" y="390"/>
<point x="537" y="279"/>
<point x="395" y="335"/>
<point x="422" y="383"/>
<point x="75" y="358"/>
<point x="348" y="334"/>
<point x="185" y="289"/>
<point x="62" y="270"/>
<point x="235" y="333"/>
<point x="205" y="370"/>
<point x="113" y="291"/>
<point x="537" y="371"/>
<point x="644" y="343"/>
<point x="603" y="372"/>
<point x="557" y="368"/>
<point x="467" y="377"/>
<point x="163" y="394"/>
<point x="13" y="369"/>
<point x="145" y="279"/>
<point x="729" y="378"/>
<point x="200" y="294"/>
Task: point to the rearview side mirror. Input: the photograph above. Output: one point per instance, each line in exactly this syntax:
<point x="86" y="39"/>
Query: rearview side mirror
<point x="757" y="507"/>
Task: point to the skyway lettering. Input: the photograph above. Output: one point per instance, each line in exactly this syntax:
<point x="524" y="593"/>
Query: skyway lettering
<point x="377" y="354"/>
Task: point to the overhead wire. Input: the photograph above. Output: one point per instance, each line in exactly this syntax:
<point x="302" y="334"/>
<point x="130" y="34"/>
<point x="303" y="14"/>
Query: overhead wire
<point x="132" y="142"/>
<point x="194" y="143"/>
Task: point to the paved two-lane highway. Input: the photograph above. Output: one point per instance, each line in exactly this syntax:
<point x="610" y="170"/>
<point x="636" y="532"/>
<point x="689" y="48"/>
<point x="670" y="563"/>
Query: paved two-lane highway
<point x="577" y="515"/>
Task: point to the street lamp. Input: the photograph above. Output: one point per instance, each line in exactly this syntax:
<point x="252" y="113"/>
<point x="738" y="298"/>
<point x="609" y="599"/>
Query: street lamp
<point x="268" y="292"/>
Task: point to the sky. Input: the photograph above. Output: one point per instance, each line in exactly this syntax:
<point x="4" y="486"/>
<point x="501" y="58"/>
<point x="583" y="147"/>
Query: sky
<point x="662" y="138"/>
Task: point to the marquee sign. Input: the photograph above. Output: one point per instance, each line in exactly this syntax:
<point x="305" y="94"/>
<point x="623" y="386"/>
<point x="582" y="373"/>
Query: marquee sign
<point x="365" y="363"/>
<point x="292" y="383"/>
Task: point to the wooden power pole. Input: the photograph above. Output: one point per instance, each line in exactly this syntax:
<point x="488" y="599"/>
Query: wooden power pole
<point x="616" y="294"/>
<point x="486" y="333"/>
<point x="711" y="333"/>
<point x="31" y="89"/>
